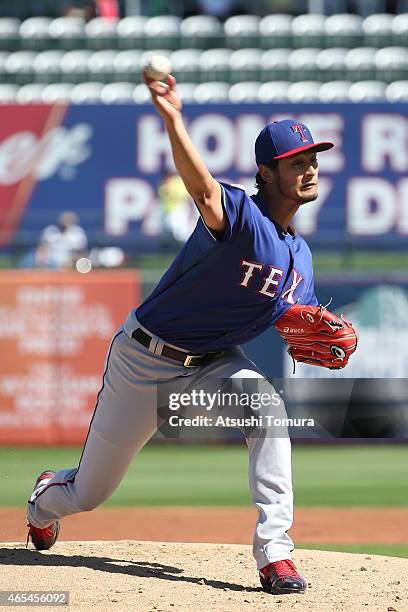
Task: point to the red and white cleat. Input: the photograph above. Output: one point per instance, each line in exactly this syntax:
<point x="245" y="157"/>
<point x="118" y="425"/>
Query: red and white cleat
<point x="42" y="538"/>
<point x="282" y="577"/>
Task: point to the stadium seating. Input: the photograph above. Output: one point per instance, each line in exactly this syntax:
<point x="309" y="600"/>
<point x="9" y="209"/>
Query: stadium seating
<point x="304" y="91"/>
<point x="101" y="34"/>
<point x="57" y="92"/>
<point x="367" y="91"/>
<point x="118" y="93"/>
<point x="19" y="67"/>
<point x="67" y="33"/>
<point x="34" y="34"/>
<point x="9" y="34"/>
<point x="400" y="30"/>
<point x="391" y="64"/>
<point x="186" y="65"/>
<point x="397" y="91"/>
<point x="377" y="30"/>
<point x="274" y="92"/>
<point x="127" y="66"/>
<point x="344" y="31"/>
<point x="101" y="66"/>
<point x="74" y="65"/>
<point x="187" y="91"/>
<point x="244" y="53"/>
<point x="47" y="66"/>
<point x="245" y="65"/>
<point x="130" y="32"/>
<point x="141" y="94"/>
<point x="4" y="77"/>
<point x="8" y="93"/>
<point x="245" y="92"/>
<point x="331" y="64"/>
<point x="275" y="31"/>
<point x="162" y="32"/>
<point x="215" y="65"/>
<point x="309" y="31"/>
<point x="204" y="32"/>
<point x="212" y="92"/>
<point x="335" y="91"/>
<point x="270" y="92"/>
<point x="87" y="93"/>
<point x="201" y="32"/>
<point x="242" y="31"/>
<point x="30" y="94"/>
<point x="275" y="65"/>
<point x="360" y="63"/>
<point x="302" y="64"/>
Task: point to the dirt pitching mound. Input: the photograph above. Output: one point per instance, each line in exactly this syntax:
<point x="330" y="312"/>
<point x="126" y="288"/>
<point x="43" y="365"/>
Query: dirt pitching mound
<point x="129" y="575"/>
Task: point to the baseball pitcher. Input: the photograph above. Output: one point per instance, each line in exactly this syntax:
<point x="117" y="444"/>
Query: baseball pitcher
<point x="243" y="269"/>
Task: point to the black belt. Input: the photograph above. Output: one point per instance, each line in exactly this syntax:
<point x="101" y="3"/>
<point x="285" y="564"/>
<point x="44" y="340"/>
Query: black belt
<point x="188" y="360"/>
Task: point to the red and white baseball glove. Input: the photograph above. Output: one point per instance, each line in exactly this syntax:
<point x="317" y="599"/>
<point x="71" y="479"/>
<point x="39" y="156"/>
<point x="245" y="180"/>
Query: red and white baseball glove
<point x="317" y="336"/>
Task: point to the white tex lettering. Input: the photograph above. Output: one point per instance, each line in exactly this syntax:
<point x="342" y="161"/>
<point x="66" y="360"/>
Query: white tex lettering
<point x="249" y="273"/>
<point x="271" y="281"/>
<point x="288" y="294"/>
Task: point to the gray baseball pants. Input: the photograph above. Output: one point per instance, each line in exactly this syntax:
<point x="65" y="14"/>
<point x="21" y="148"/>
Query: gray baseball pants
<point x="125" y="418"/>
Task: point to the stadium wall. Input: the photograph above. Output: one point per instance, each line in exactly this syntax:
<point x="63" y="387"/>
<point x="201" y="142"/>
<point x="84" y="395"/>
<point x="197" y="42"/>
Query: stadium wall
<point x="106" y="163"/>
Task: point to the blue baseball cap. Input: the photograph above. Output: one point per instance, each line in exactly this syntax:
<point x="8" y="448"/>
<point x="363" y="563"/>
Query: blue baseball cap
<point x="283" y="138"/>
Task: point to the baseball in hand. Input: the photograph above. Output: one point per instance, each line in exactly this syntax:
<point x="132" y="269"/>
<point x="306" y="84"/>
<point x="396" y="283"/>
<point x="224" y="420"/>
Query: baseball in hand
<point x="158" y="67"/>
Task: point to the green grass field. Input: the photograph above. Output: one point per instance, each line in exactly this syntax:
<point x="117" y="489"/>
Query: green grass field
<point x="217" y="475"/>
<point x="388" y="550"/>
<point x="340" y="476"/>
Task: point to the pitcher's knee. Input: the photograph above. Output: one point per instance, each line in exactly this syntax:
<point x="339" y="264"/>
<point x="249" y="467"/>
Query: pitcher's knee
<point x="87" y="503"/>
<point x="88" y="506"/>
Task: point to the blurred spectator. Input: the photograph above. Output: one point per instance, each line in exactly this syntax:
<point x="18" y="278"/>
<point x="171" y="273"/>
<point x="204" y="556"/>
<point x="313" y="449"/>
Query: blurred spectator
<point x="290" y="7"/>
<point x="108" y="9"/>
<point x="61" y="245"/>
<point x="219" y="8"/>
<point x="179" y="213"/>
<point x="361" y="7"/>
<point x="77" y="11"/>
<point x="152" y="8"/>
<point x="114" y="9"/>
<point x="107" y="257"/>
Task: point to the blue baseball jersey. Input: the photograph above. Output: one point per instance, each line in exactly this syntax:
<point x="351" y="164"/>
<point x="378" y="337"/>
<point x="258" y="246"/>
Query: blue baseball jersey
<point x="224" y="290"/>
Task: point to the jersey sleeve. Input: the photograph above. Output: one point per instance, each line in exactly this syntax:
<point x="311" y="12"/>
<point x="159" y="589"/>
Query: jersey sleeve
<point x="308" y="296"/>
<point x="237" y="209"/>
<point x="312" y="299"/>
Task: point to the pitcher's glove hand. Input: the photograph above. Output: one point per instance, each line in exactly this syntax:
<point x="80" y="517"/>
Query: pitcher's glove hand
<point x="317" y="336"/>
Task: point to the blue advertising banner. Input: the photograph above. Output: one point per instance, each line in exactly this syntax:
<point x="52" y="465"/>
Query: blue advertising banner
<point x="107" y="162"/>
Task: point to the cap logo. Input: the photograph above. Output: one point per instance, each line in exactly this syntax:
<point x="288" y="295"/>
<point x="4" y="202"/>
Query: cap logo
<point x="297" y="127"/>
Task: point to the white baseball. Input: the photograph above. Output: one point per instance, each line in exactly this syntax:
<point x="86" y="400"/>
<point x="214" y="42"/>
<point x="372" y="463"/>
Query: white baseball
<point x="158" y="67"/>
<point x="83" y="265"/>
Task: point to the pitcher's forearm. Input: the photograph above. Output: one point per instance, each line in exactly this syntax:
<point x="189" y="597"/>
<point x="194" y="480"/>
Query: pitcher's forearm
<point x="190" y="166"/>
